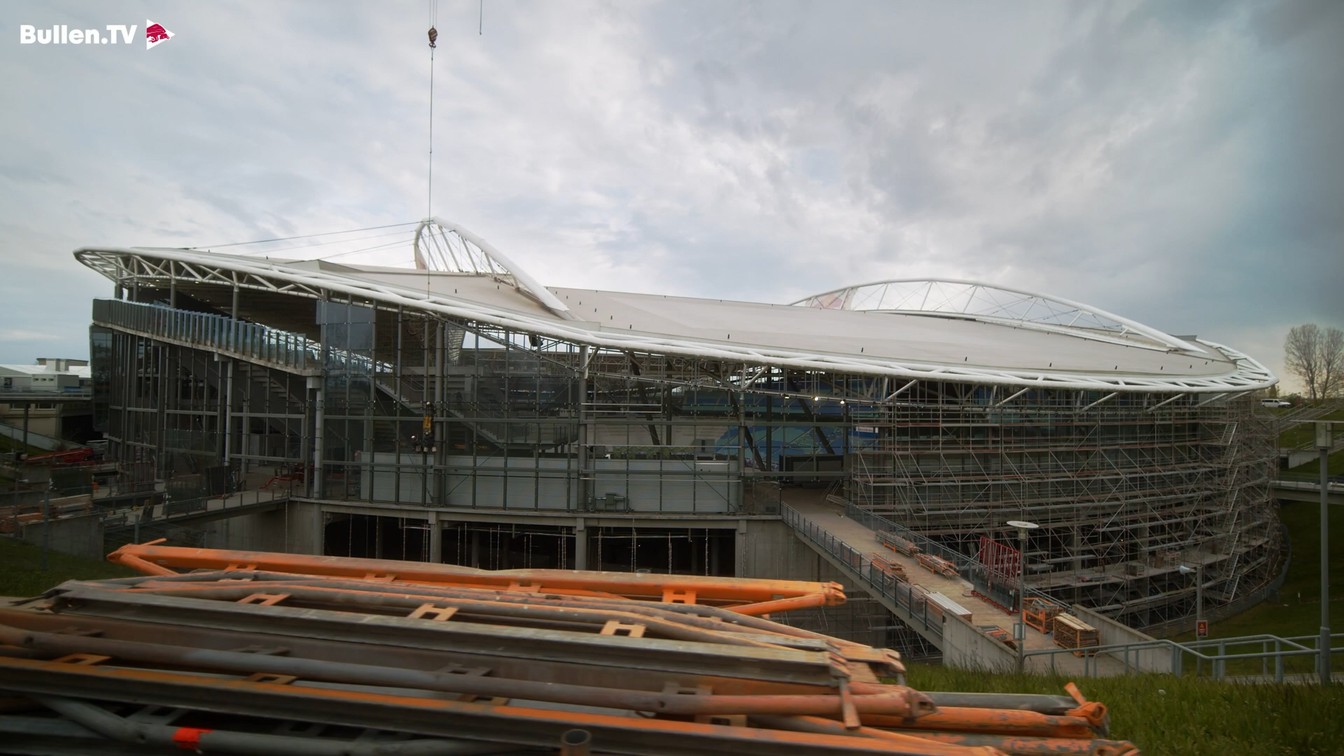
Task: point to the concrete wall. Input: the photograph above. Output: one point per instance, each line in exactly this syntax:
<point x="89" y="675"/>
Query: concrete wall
<point x="1110" y="632"/>
<point x="967" y="648"/>
<point x="769" y="549"/>
<point x="80" y="535"/>
<point x="294" y="528"/>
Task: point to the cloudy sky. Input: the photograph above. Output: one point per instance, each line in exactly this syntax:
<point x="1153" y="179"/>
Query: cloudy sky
<point x="1179" y="163"/>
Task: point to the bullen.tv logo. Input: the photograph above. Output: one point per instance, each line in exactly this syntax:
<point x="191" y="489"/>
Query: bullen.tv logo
<point x="111" y="34"/>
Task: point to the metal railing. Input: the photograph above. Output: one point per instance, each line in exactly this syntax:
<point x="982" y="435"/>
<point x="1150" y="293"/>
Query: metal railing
<point x="882" y="585"/>
<point x="877" y="522"/>
<point x="210" y="331"/>
<point x="129" y="520"/>
<point x="1218" y="659"/>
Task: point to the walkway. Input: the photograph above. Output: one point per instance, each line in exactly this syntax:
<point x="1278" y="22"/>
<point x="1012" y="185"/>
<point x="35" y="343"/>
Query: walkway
<point x="830" y="517"/>
<point x="188" y="510"/>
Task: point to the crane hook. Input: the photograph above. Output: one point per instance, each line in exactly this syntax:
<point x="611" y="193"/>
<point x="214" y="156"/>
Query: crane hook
<point x="433" y="36"/>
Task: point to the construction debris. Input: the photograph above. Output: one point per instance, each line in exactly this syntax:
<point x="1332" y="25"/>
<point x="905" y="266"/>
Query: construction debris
<point x="937" y="565"/>
<point x="897" y="543"/>
<point x="257" y="653"/>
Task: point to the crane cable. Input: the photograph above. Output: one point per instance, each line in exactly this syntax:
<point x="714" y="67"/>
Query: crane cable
<point x="433" y="43"/>
<point x="420" y="262"/>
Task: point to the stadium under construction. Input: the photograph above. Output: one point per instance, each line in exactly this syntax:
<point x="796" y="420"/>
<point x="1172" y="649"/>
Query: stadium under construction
<point x="459" y="411"/>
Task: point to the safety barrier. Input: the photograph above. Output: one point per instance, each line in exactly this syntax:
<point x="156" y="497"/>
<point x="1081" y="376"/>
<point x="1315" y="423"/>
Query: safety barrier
<point x="209" y="331"/>
<point x="878" y="581"/>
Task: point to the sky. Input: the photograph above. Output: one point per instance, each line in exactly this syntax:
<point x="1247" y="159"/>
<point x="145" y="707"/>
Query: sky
<point x="1179" y="163"/>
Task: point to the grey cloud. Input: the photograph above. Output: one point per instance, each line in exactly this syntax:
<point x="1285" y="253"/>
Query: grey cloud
<point x="1178" y="163"/>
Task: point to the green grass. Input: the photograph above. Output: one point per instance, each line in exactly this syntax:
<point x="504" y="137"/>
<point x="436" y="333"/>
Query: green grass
<point x="1312" y="470"/>
<point x="1296" y="611"/>
<point x="21" y="572"/>
<point x="1168" y="716"/>
<point x="1304" y="433"/>
<point x="1298" y="608"/>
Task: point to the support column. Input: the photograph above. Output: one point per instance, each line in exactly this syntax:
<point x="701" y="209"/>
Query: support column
<point x="227" y="425"/>
<point x="740" y="551"/>
<point x="585" y="487"/>
<point x="580" y="544"/>
<point x="435" y="538"/>
<point x="319" y="427"/>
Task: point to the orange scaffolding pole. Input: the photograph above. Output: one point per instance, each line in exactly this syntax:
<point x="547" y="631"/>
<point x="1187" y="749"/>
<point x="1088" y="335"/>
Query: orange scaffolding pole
<point x="686" y="589"/>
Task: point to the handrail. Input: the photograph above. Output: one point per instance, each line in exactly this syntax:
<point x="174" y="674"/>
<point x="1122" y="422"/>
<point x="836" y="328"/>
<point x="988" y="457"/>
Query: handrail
<point x="900" y="593"/>
<point x="170" y="510"/>
<point x="1128" y="653"/>
<point x="251" y="341"/>
<point x="211" y="331"/>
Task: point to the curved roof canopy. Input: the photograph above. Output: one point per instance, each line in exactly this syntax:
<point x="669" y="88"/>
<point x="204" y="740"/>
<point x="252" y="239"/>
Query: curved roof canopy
<point x="982" y="301"/>
<point x="934" y="330"/>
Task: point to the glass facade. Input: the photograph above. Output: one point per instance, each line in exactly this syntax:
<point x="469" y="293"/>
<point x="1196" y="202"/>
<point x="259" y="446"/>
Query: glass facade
<point x="356" y="400"/>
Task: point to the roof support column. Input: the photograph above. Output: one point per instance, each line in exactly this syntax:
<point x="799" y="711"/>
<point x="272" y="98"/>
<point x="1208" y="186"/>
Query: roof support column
<point x="315" y="385"/>
<point x="580" y="544"/>
<point x="435" y="537"/>
<point x="227" y="421"/>
<point x="585" y="437"/>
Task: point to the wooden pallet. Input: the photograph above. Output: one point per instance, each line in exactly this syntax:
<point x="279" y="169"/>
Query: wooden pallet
<point x="1073" y="633"/>
<point x="1040" y="614"/>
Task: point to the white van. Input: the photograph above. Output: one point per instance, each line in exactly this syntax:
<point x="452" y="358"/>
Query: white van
<point x="1272" y="402"/>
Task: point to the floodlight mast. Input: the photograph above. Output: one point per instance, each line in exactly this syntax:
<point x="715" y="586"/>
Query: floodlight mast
<point x="1199" y="594"/>
<point x="1323" y="445"/>
<point x="1019" y="623"/>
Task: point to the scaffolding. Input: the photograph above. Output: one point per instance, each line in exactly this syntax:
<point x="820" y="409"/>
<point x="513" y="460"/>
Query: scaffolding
<point x="474" y="389"/>
<point x="1126" y="489"/>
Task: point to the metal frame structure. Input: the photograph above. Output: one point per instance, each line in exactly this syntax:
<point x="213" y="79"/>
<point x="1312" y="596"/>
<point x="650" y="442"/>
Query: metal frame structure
<point x="465" y="387"/>
<point x="275" y="653"/>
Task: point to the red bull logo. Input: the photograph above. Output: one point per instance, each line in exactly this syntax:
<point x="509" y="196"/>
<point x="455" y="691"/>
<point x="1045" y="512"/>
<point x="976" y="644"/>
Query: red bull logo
<point x="109" y="34"/>
<point x="155" y="34"/>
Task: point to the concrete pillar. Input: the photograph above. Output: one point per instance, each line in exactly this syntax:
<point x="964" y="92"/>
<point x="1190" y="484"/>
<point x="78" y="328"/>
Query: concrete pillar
<point x="580" y="544"/>
<point x="319" y="432"/>
<point x="585" y="487"/>
<point x="740" y="551"/>
<point x="435" y="538"/>
<point x="228" y="412"/>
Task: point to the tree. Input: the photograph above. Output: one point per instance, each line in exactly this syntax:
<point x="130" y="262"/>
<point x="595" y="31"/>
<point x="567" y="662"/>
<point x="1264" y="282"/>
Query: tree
<point x="1316" y="355"/>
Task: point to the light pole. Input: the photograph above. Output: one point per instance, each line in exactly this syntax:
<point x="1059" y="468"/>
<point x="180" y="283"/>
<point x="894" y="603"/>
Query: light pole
<point x="1323" y="444"/>
<point x="1199" y="595"/>
<point x="1019" y="625"/>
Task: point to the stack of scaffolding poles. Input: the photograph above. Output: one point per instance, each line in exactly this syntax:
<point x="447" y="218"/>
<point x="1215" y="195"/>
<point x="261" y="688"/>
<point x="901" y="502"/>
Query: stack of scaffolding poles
<point x="259" y="653"/>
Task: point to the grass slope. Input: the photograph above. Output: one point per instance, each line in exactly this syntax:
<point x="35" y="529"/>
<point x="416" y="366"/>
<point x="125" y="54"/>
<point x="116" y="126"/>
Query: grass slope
<point x="1298" y="608"/>
<point x="21" y="572"/>
<point x="1168" y="716"/>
